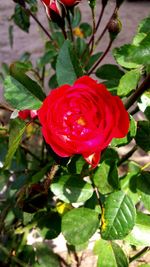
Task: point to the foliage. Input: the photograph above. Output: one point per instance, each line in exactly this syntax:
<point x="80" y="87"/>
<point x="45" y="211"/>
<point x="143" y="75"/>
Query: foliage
<point x="44" y="195"/>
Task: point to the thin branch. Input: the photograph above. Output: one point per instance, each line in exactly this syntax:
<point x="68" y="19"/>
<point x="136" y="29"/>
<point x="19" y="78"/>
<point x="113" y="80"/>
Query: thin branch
<point x="30" y="152"/>
<point x="101" y="58"/>
<point x="139" y="254"/>
<point x="127" y="156"/>
<point x="13" y="258"/>
<point x="94" y="31"/>
<point x="139" y="91"/>
<point x="70" y="26"/>
<point x="50" y="176"/>
<point x="105" y="29"/>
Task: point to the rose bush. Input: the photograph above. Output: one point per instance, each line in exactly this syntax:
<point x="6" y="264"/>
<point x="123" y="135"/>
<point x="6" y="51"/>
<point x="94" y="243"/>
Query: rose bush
<point x="82" y="119"/>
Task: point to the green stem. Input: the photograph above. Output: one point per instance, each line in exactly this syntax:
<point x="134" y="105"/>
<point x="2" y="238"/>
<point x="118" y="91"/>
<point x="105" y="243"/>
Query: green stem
<point x="94" y="31"/>
<point x="139" y="91"/>
<point x="139" y="254"/>
<point x="101" y="58"/>
<point x="105" y="29"/>
<point x="70" y="26"/>
<point x="30" y="152"/>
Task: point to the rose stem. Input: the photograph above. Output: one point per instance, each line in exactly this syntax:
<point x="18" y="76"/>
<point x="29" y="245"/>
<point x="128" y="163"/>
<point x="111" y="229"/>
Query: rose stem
<point x="94" y="30"/>
<point x="97" y="25"/>
<point x="101" y="58"/>
<point x="105" y="29"/>
<point x="128" y="155"/>
<point x="96" y="192"/>
<point x="70" y="26"/>
<point x="50" y="176"/>
<point x="134" y="111"/>
<point x="64" y="33"/>
<point x="139" y="254"/>
<point x="139" y="91"/>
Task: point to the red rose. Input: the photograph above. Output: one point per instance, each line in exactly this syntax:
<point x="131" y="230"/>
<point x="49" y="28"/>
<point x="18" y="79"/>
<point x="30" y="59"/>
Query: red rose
<point x="27" y="114"/>
<point x="70" y="3"/>
<point x="82" y="119"/>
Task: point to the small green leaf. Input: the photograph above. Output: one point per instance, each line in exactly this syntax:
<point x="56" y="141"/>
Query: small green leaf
<point x="121" y="53"/>
<point x="129" y="185"/>
<point x="143" y="135"/>
<point x="128" y="82"/>
<point x="16" y="133"/>
<point x="140" y="235"/>
<point x="110" y="254"/>
<point x="71" y="189"/>
<point x="125" y="140"/>
<point x="118" y="216"/>
<point x="109" y="72"/>
<point x="140" y="54"/>
<point x="78" y="225"/>
<point x="11" y="36"/>
<point x="86" y="29"/>
<point x="138" y="38"/>
<point x="67" y="67"/>
<point x="76" y="18"/>
<point x="19" y="96"/>
<point x="144" y="25"/>
<point x="21" y="19"/>
<point x="106" y="175"/>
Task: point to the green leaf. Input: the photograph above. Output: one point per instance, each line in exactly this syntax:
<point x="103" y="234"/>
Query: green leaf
<point x="106" y="175"/>
<point x="21" y="19"/>
<point x="17" y="70"/>
<point x="109" y="72"/>
<point x="16" y="132"/>
<point x="118" y="216"/>
<point x="121" y="53"/>
<point x="92" y="59"/>
<point x="138" y="38"/>
<point x="128" y="82"/>
<point x="125" y="140"/>
<point x="78" y="225"/>
<point x="86" y="29"/>
<point x="140" y="54"/>
<point x="53" y="82"/>
<point x="19" y="96"/>
<point x="143" y="187"/>
<point x="76" y="18"/>
<point x="49" y="224"/>
<point x="45" y="257"/>
<point x="67" y="67"/>
<point x="71" y="189"/>
<point x="143" y="135"/>
<point x="110" y="254"/>
<point x="47" y="58"/>
<point x="140" y="235"/>
<point x="129" y="186"/>
<point x="144" y="25"/>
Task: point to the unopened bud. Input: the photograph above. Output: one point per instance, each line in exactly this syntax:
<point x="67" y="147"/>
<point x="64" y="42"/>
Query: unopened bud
<point x="114" y="26"/>
<point x="55" y="11"/>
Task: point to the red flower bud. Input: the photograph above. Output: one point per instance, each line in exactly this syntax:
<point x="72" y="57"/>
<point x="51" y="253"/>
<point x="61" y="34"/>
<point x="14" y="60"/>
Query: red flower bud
<point x="27" y="114"/>
<point x="55" y="9"/>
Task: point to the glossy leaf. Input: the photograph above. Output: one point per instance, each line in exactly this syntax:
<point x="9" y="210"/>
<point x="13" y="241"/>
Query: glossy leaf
<point x="140" y="54"/>
<point x="106" y="176"/>
<point x="144" y="25"/>
<point x="118" y="216"/>
<point x="67" y="67"/>
<point x="140" y="235"/>
<point x="121" y="54"/>
<point x="19" y="96"/>
<point x="18" y="72"/>
<point x="71" y="189"/>
<point x="128" y="82"/>
<point x="109" y="254"/>
<point x="78" y="225"/>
